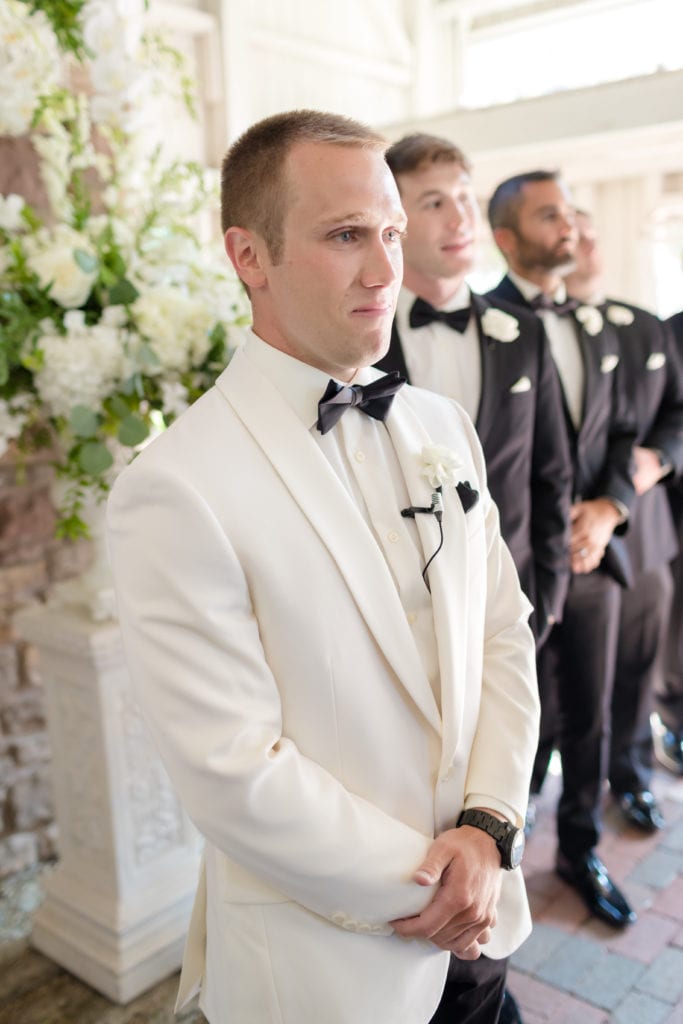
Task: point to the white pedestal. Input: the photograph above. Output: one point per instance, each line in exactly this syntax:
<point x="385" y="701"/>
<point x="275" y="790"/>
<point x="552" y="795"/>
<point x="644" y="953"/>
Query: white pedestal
<point x="117" y="906"/>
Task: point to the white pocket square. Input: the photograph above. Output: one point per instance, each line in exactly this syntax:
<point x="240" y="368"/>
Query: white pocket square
<point x="655" y="361"/>
<point x="608" y="363"/>
<point x="523" y="384"/>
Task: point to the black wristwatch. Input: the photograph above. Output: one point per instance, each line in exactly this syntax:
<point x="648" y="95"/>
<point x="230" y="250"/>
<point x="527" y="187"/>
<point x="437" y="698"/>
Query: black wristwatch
<point x="509" y="840"/>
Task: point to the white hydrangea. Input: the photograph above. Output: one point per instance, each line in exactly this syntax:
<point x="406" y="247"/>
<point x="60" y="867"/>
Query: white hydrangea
<point x="52" y="258"/>
<point x="10" y="211"/>
<point x="30" y="64"/>
<point x="176" y="325"/>
<point x="81" y="367"/>
<point x="13" y="416"/>
<point x="174" y="398"/>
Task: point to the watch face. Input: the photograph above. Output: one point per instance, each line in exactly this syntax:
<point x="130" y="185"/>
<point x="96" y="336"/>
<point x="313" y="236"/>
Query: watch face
<point x="517" y="848"/>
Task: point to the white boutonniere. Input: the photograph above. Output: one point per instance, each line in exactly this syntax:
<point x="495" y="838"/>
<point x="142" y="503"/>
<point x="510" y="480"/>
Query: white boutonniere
<point x="440" y="465"/>
<point x="655" y="361"/>
<point x="591" y="319"/>
<point x="499" y="325"/>
<point x="619" y="315"/>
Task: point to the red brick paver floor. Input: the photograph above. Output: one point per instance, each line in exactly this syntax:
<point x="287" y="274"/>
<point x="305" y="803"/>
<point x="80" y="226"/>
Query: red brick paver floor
<point x="575" y="970"/>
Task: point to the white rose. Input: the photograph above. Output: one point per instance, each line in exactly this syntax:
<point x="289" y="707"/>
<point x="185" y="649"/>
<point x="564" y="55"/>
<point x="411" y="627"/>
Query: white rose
<point x="56" y="267"/>
<point x="619" y="315"/>
<point x="590" y="318"/>
<point x="440" y="465"/>
<point x="499" y="325"/>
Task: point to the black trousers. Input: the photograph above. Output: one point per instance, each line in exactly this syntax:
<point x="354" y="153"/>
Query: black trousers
<point x="642" y="636"/>
<point x="669" y="689"/>
<point x="576" y="676"/>
<point x="473" y="993"/>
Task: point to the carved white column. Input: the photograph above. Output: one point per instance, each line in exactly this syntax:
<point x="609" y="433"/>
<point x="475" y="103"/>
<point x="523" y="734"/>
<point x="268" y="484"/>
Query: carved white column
<point x="117" y="905"/>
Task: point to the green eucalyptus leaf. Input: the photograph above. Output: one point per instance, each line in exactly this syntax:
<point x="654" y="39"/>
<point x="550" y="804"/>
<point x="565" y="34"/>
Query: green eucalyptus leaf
<point x="123" y="293"/>
<point x="83" y="421"/>
<point x="119" y="407"/>
<point x="133" y="431"/>
<point x="94" y="458"/>
<point x="86" y="261"/>
<point x="147" y="357"/>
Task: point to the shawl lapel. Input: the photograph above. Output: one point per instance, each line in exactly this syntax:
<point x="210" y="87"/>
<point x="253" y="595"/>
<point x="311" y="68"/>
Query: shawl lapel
<point x="315" y="487"/>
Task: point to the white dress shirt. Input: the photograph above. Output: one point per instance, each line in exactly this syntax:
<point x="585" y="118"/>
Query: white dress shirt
<point x="439" y="358"/>
<point x="360" y="452"/>
<point x="564" y="346"/>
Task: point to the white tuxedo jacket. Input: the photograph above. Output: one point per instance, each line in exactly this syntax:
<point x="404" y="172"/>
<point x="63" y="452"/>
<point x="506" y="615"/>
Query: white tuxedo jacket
<point x="272" y="658"/>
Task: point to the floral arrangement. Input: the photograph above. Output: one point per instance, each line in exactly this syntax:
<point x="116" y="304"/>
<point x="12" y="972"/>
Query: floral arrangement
<point x="115" y="312"/>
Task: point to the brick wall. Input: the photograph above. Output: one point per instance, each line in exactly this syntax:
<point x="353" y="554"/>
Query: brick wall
<point x="30" y="560"/>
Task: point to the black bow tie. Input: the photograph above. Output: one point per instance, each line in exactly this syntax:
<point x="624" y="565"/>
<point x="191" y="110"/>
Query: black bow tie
<point x="544" y="302"/>
<point x="422" y="313"/>
<point x="374" y="399"/>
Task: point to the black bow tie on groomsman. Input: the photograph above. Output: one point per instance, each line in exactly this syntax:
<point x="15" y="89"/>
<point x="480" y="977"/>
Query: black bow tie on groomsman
<point x="544" y="303"/>
<point x="422" y="313"/>
<point x="374" y="399"/>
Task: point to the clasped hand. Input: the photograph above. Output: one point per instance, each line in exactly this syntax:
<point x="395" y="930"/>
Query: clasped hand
<point x="460" y="917"/>
<point x="592" y="525"/>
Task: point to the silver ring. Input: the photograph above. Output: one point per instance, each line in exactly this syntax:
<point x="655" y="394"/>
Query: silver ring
<point x="583" y="552"/>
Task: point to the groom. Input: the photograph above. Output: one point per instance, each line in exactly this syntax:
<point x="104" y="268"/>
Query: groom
<point x="325" y="630"/>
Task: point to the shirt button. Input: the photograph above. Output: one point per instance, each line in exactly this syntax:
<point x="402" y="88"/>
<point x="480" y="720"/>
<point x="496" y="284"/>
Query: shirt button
<point x="412" y="617"/>
<point x="360" y="456"/>
<point x="392" y="536"/>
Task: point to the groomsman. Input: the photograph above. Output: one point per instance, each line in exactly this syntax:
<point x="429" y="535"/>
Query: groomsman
<point x="492" y="358"/>
<point x="532" y="218"/>
<point x="668" y="720"/>
<point x="654" y="390"/>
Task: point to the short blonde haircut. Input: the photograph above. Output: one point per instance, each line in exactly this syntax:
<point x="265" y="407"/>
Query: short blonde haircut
<point x="253" y="181"/>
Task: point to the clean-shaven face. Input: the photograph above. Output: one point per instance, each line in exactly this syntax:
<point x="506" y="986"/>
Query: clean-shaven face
<point x="330" y="300"/>
<point x="443" y="221"/>
<point x="546" y="234"/>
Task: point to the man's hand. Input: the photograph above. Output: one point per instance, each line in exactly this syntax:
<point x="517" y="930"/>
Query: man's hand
<point x="649" y="470"/>
<point x="592" y="525"/>
<point x="463" y="911"/>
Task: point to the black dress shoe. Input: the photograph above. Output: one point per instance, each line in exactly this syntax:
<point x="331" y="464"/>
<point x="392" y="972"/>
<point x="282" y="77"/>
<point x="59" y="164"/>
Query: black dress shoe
<point x="640" y="809"/>
<point x="668" y="746"/>
<point x="590" y="879"/>
<point x="509" y="1011"/>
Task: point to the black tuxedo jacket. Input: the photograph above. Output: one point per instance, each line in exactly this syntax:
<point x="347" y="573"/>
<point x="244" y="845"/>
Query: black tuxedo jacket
<point x="675" y="488"/>
<point x="602" y="447"/>
<point x="527" y="455"/>
<point x="653" y="387"/>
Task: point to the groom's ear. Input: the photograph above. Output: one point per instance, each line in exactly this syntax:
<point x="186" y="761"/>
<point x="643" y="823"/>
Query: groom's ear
<point x="247" y="252"/>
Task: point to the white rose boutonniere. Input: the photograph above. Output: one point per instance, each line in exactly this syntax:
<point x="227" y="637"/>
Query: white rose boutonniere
<point x="621" y="316"/>
<point x="499" y="325"/>
<point x="440" y="465"/>
<point x="591" y="319"/>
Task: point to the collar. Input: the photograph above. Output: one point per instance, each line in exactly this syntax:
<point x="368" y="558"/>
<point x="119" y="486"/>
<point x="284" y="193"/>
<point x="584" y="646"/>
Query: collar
<point x="300" y="384"/>
<point x="530" y="290"/>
